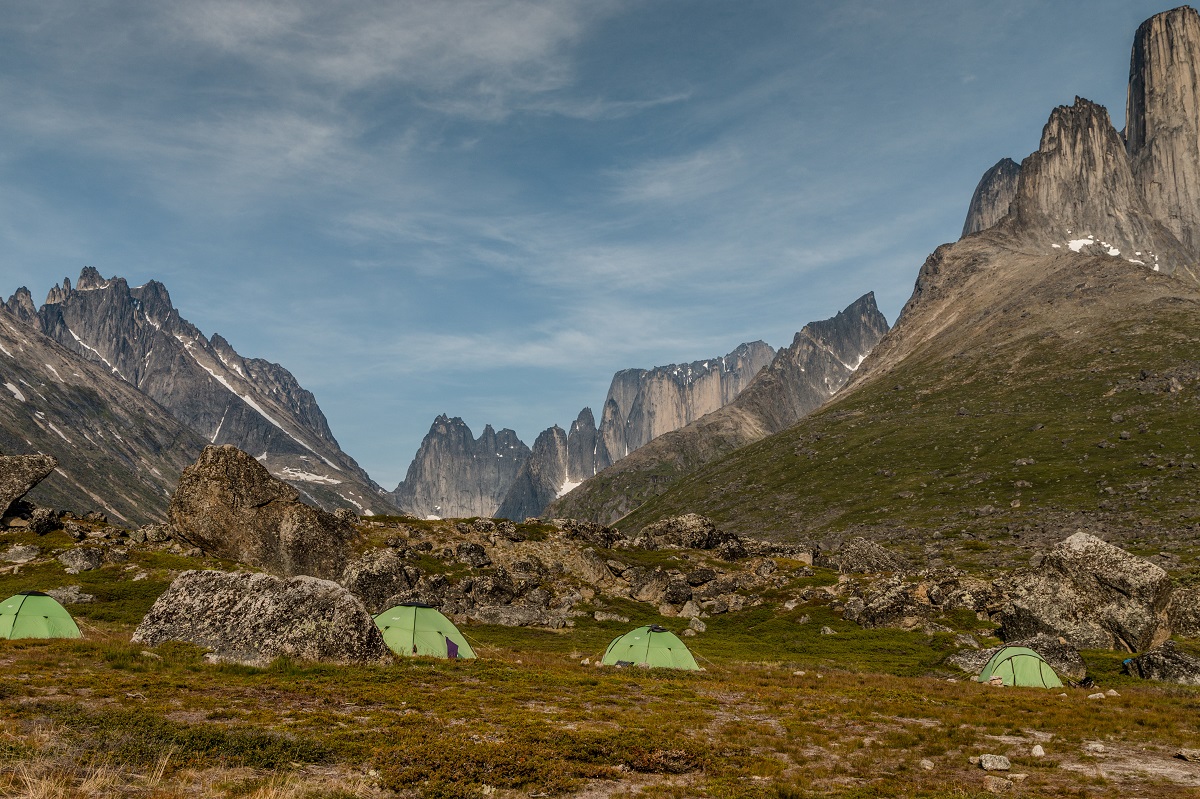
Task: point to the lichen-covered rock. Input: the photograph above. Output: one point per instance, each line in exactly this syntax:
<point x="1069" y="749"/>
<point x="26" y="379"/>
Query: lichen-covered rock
<point x="1183" y="611"/>
<point x="1091" y="593"/>
<point x="19" y="474"/>
<point x="43" y="520"/>
<point x="228" y="505"/>
<point x="1165" y="662"/>
<point x="910" y="604"/>
<point x="82" y="559"/>
<point x="255" y="618"/>
<point x="860" y="556"/>
<point x="19" y="553"/>
<point x="378" y="575"/>
<point x="589" y="532"/>
<point x="690" y="531"/>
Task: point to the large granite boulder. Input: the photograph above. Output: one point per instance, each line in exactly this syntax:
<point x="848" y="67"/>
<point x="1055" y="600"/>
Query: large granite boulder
<point x="1183" y="611"/>
<point x="1062" y="657"/>
<point x="375" y="577"/>
<point x="1091" y="593"/>
<point x="255" y="618"/>
<point x="229" y="506"/>
<point x="19" y="474"/>
<point x="1165" y="662"/>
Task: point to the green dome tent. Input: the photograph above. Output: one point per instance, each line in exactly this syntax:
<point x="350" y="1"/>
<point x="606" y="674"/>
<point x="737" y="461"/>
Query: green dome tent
<point x="1022" y="667"/>
<point x="32" y="614"/>
<point x="416" y="629"/>
<point x="652" y="646"/>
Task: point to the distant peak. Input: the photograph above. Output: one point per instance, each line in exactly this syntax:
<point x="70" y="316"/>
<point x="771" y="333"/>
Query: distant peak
<point x="90" y="278"/>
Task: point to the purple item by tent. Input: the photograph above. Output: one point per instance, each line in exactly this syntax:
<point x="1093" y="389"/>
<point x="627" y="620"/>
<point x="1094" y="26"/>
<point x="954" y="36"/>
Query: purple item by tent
<point x="451" y="649"/>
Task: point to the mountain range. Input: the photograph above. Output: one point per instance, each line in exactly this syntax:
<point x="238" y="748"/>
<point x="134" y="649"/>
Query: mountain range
<point x="1042" y="376"/>
<point x="497" y="475"/>
<point x="135" y="336"/>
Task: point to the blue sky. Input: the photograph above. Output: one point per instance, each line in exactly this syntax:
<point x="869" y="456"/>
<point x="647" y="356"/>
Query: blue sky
<point x="485" y="208"/>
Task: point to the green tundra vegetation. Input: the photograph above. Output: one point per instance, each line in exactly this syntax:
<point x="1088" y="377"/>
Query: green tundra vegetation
<point x="781" y="709"/>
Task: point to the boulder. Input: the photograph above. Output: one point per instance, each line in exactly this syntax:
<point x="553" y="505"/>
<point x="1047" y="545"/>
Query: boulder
<point x="82" y="559"/>
<point x="860" y="556"/>
<point x="1166" y="663"/>
<point x="1091" y="593"/>
<point x="255" y="618"/>
<point x="378" y="575"/>
<point x="1183" y="611"/>
<point x="1062" y="657"/>
<point x="20" y="553"/>
<point x="229" y="506"/>
<point x="596" y="535"/>
<point x="19" y="474"/>
<point x="70" y="595"/>
<point x="43" y="520"/>
<point x="473" y="554"/>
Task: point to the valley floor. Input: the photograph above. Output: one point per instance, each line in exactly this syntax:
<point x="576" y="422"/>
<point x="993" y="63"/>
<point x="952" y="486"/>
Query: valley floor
<point x="103" y="717"/>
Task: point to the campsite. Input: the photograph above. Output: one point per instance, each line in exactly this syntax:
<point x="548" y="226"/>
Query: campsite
<point x="791" y="700"/>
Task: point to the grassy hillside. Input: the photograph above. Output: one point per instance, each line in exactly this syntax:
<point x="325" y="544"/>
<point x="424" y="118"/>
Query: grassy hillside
<point x="1046" y="395"/>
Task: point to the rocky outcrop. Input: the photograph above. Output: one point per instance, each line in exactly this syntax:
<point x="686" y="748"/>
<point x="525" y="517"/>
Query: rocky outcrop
<point x="1165" y="663"/>
<point x="1091" y="593"/>
<point x="456" y="475"/>
<point x="19" y="474"/>
<point x="911" y="604"/>
<point x="799" y="379"/>
<point x="690" y="531"/>
<point x="992" y="197"/>
<point x="255" y="618"/>
<point x="138" y="336"/>
<point x="230" y="506"/>
<point x="1162" y="127"/>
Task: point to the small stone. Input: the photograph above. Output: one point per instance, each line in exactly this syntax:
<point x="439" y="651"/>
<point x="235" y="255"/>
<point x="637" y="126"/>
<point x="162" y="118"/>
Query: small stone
<point x="697" y="625"/>
<point x="827" y="630"/>
<point x="994" y="763"/>
<point x="585" y="662"/>
<point x="799" y="673"/>
<point x="688" y="633"/>
<point x="1018" y="777"/>
<point x="1037" y="751"/>
<point x="1190" y="755"/>
<point x="1095" y="696"/>
<point x="1094" y="746"/>
<point x="926" y="764"/>
<point x="146" y="653"/>
<point x="1111" y="692"/>
<point x="973" y="760"/>
<point x="993" y="784"/>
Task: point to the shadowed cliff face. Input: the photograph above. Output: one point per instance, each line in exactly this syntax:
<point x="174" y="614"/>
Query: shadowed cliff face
<point x="1163" y="120"/>
<point x="992" y="197"/>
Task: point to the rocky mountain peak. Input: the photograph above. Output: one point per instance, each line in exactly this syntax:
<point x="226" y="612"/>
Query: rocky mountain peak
<point x="1163" y="120"/>
<point x="992" y="197"/>
<point x="1078" y="191"/>
<point x="20" y="305"/>
<point x="90" y="279"/>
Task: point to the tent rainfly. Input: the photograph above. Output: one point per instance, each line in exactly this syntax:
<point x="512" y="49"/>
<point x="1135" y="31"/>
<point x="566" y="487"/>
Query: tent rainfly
<point x="413" y="628"/>
<point x="1022" y="667"/>
<point x="653" y="646"/>
<point x="32" y="614"/>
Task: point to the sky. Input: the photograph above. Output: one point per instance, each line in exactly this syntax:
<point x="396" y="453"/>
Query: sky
<point x="485" y="208"/>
